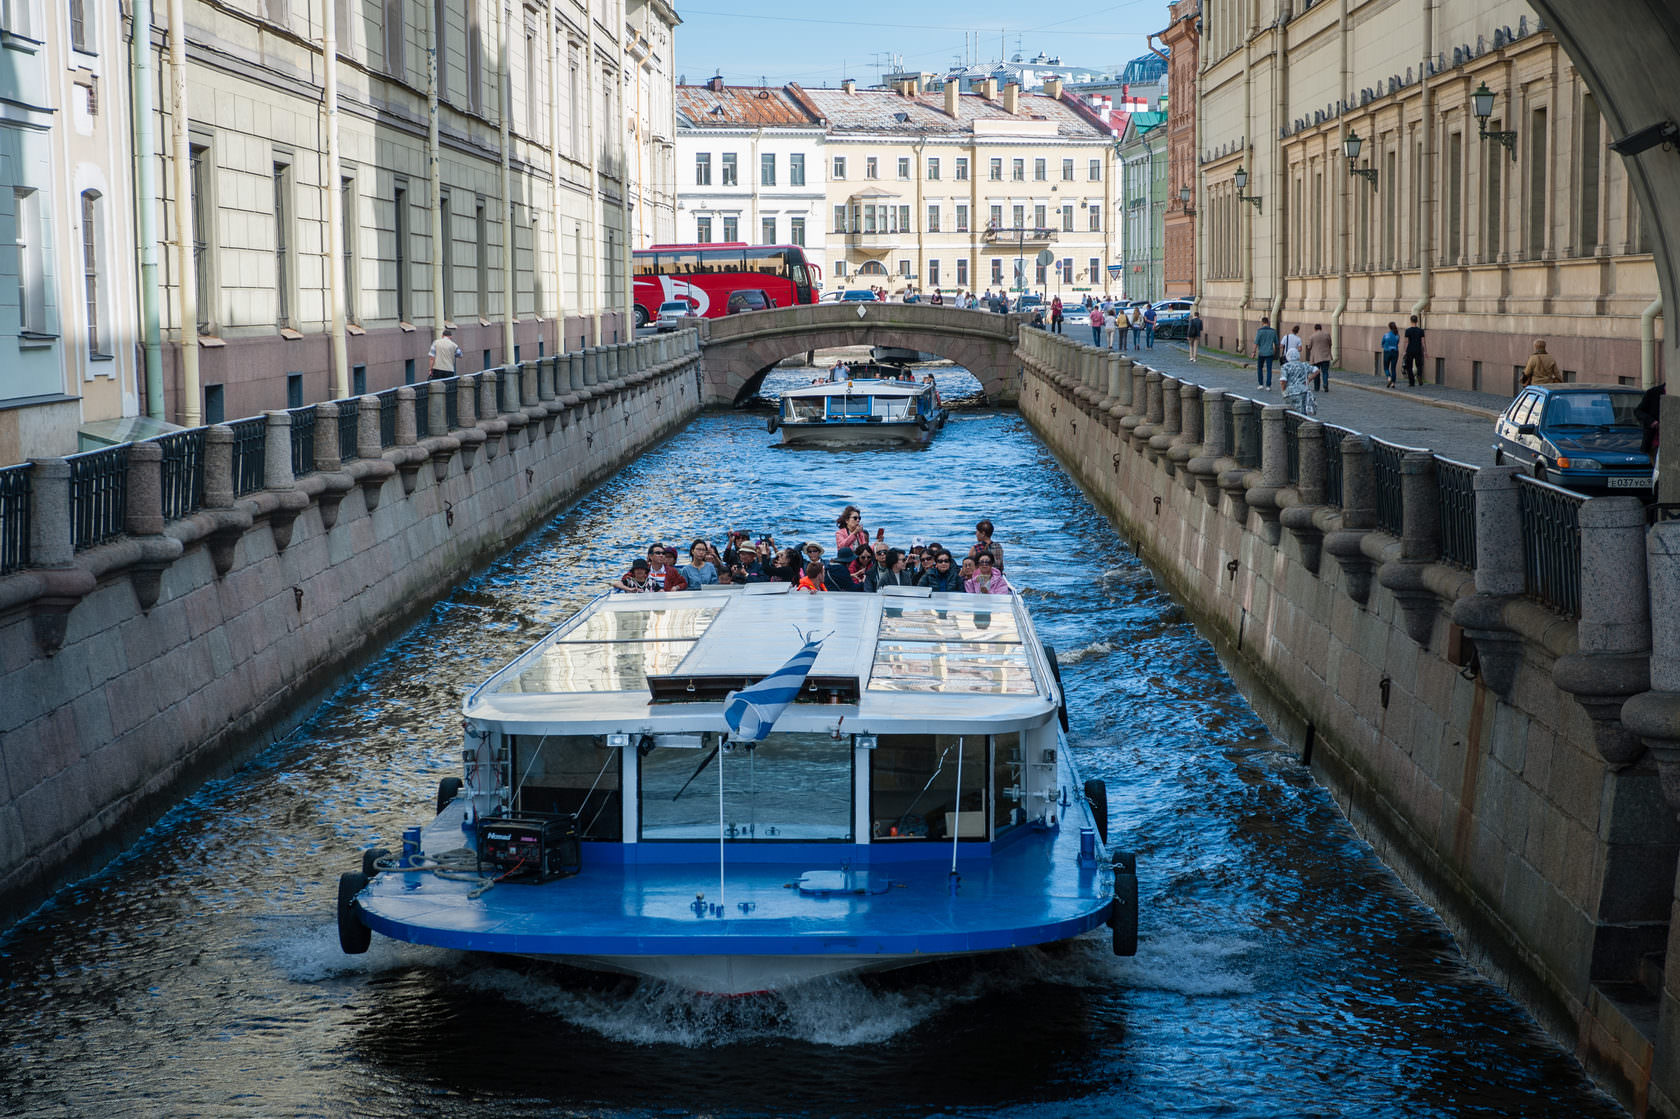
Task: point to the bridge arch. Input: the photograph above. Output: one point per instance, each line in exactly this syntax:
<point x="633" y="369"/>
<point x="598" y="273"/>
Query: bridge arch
<point x="736" y="351"/>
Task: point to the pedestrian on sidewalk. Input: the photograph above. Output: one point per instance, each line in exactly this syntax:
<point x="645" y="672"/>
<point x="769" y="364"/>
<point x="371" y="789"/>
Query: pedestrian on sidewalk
<point x="1149" y="327"/>
<point x="442" y="356"/>
<point x="1056" y="315"/>
<point x="1292" y="347"/>
<point x="1193" y="334"/>
<point x="1413" y="363"/>
<point x="1265" y="351"/>
<point x="1391" y="352"/>
<point x="1097" y="325"/>
<point x="1135" y="317"/>
<point x="1542" y="367"/>
<point x="1114" y="338"/>
<point x="1318" y="353"/>
<point x="1297" y="382"/>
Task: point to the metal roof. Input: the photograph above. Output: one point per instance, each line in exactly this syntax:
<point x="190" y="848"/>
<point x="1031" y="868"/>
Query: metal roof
<point x="740" y="106"/>
<point x="880" y="111"/>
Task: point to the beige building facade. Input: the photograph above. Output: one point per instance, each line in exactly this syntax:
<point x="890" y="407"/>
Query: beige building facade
<point x="949" y="191"/>
<point x="1490" y="244"/>
<point x="500" y="190"/>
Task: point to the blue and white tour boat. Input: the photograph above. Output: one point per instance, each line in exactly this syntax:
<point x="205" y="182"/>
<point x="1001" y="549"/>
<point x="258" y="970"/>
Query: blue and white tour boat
<point x="739" y="789"/>
<point x="869" y="404"/>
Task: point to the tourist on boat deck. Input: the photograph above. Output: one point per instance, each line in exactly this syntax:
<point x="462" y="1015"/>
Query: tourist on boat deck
<point x="892" y="571"/>
<point x="662" y="572"/>
<point x="849" y="531"/>
<point x="987" y="579"/>
<point x="967" y="569"/>
<point x="840" y="372"/>
<point x="944" y="577"/>
<point x="813" y="553"/>
<point x="635" y="581"/>
<point x="700" y="570"/>
<point x="812" y="579"/>
<point x="785" y="569"/>
<point x="983" y="542"/>
<point x="862" y="567"/>
<point x="838" y="572"/>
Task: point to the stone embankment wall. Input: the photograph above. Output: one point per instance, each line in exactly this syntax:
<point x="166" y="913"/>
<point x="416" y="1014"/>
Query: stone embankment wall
<point x="1451" y="650"/>
<point x="134" y="669"/>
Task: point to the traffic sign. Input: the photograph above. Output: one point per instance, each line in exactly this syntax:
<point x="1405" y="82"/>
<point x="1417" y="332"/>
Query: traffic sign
<point x="1045" y="256"/>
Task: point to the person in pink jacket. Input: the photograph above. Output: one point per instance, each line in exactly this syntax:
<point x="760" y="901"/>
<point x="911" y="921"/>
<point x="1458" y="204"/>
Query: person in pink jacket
<point x="987" y="578"/>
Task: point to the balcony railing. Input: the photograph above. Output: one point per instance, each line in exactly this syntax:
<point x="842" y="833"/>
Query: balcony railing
<point x="1551" y="537"/>
<point x="1018" y="235"/>
<point x="857" y="239"/>
<point x="98" y="495"/>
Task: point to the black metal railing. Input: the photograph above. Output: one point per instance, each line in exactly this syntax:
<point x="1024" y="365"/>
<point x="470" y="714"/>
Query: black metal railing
<point x="349" y="420"/>
<point x="1551" y="538"/>
<point x="1292" y="422"/>
<point x="303" y="440"/>
<point x="14" y="516"/>
<point x="1385" y="465"/>
<point x="98" y="495"/>
<point x="1333" y="437"/>
<point x="387" y="418"/>
<point x="250" y="445"/>
<point x="183" y="472"/>
<point x="1455" y="489"/>
<point x="422" y="410"/>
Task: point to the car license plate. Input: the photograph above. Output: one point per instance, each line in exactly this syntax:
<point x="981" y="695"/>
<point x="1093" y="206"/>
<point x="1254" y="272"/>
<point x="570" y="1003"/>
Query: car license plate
<point x="1629" y="483"/>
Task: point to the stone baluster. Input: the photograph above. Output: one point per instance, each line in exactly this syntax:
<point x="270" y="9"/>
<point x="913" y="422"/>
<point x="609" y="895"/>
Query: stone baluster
<point x="280" y="488"/>
<point x="1301" y="518"/>
<point x="52" y="551"/>
<point x="489" y="412"/>
<point x="1655" y="715"/>
<point x="1137" y="409"/>
<point x="143" y="523"/>
<point x="1111" y="389"/>
<point x="1420" y="546"/>
<point x="1234" y="471"/>
<point x="1216" y="445"/>
<point x="1263" y="497"/>
<point x="1122" y="405"/>
<point x="1189" y="443"/>
<point x="1612" y="659"/>
<point x="1359" y="517"/>
<point x="218" y="466"/>
<point x="437" y="408"/>
<point x="374" y="468"/>
<point x="329" y="463"/>
<point x="575" y="392"/>
<point x="408" y="454"/>
<point x="1161" y="442"/>
<point x="471" y="435"/>
<point x="1500" y="578"/>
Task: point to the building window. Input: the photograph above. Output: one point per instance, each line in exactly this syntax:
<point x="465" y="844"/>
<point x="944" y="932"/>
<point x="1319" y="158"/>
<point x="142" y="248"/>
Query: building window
<point x="996" y="221"/>
<point x="347" y="247"/>
<point x="574" y="102"/>
<point x="82" y="32"/>
<point x="394" y="38"/>
<point x="1019" y="215"/>
<point x="767" y="231"/>
<point x="731" y="228"/>
<point x="839" y="171"/>
<point x="203" y="200"/>
<point x="997" y="270"/>
<point x="962" y="218"/>
<point x="1493" y="201"/>
<point x="32" y="281"/>
<point x="446" y="222"/>
<point x="871" y="168"/>
<point x="933" y="168"/>
<point x="933" y="273"/>
<point x="1067" y="170"/>
<point x="767" y="169"/>
<point x="904" y="268"/>
<point x="1039" y="275"/>
<point x="1041" y="171"/>
<point x="1586" y="227"/>
<point x="839" y="219"/>
<point x="481" y="256"/>
<point x="796" y="169"/>
<point x="1094" y="173"/>
<point x="1067" y="218"/>
<point x="729" y="173"/>
<point x="997" y="170"/>
<point x="962" y="168"/>
<point x="839" y="269"/>
<point x="1094" y="265"/>
<point x="962" y="271"/>
<point x="703" y="231"/>
<point x="702" y="168"/>
<point x="15" y="17"/>
<point x="283" y="245"/>
<point x="215" y="407"/>
<point x="933" y="218"/>
<point x="440" y="39"/>
<point x="1067" y="270"/>
<point x="1096" y="218"/>
<point x="796" y="230"/>
<point x="533" y="80"/>
<point x="1018" y="170"/>
<point x="1040" y="221"/>
<point x="1452" y="252"/>
<point x="294" y="390"/>
<point x="98" y="341"/>
<point x="1536" y="140"/>
<point x="904" y="167"/>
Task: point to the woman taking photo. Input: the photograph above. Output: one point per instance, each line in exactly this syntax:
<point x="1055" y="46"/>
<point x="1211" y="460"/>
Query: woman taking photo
<point x="849" y="531"/>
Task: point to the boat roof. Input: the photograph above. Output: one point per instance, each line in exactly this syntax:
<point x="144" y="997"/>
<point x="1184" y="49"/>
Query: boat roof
<point x="864" y="387"/>
<point x="902" y="661"/>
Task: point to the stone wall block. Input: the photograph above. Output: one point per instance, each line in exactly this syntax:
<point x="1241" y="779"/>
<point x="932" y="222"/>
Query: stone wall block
<point x="1359" y="516"/>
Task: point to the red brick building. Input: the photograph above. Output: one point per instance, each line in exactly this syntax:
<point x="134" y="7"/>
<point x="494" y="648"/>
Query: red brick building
<point x="1180" y="38"/>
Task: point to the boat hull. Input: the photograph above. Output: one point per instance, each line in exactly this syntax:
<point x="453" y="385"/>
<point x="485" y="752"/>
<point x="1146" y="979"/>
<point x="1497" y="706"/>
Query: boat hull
<point x="801" y="434"/>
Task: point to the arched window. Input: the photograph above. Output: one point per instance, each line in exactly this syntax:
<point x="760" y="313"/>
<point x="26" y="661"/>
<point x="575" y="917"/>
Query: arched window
<point x="872" y="268"/>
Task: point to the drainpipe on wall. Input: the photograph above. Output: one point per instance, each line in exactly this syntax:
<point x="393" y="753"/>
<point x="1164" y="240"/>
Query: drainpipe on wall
<point x="1280" y="82"/>
<point x="144" y="120"/>
<point x="434" y="170"/>
<point x="1342" y="208"/>
<point x="1648" y="343"/>
<point x="330" y="201"/>
<point x="504" y="108"/>
<point x="1426" y="177"/>
<point x="186" y="272"/>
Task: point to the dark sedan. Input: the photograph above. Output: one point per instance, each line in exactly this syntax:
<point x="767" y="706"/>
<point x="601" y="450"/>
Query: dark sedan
<point x="1585" y="437"/>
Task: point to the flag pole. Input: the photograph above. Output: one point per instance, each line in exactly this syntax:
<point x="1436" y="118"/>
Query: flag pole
<point x="723" y="900"/>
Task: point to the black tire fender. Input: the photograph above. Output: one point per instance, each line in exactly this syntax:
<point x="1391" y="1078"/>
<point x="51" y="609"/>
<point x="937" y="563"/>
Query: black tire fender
<point x="1056" y="671"/>
<point x="448" y="789"/>
<point x="772" y="423"/>
<point x="922" y="421"/>
<point x="1498" y="456"/>
<point x="370" y="859"/>
<point x="1123" y="911"/>
<point x="1097" y="793"/>
<point x="353" y="935"/>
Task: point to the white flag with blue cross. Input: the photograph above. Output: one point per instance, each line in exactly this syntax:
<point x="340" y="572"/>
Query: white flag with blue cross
<point x="753" y="711"/>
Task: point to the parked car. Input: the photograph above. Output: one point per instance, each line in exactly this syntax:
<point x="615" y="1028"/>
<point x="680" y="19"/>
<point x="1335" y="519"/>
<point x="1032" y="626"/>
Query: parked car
<point x="673" y="315"/>
<point x="1170" y="317"/>
<point x="858" y="295"/>
<point x="1585" y="437"/>
<point x="748" y="299"/>
<point x="1027" y="304"/>
<point x="1075" y="314"/>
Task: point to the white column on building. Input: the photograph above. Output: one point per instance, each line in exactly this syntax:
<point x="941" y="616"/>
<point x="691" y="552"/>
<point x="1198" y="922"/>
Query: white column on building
<point x="330" y="200"/>
<point x="186" y="275"/>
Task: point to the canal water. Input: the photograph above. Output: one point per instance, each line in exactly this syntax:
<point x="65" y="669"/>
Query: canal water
<point x="1283" y="971"/>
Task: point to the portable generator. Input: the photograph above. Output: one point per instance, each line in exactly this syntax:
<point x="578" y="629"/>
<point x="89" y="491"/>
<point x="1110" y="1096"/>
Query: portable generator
<point x="528" y="849"/>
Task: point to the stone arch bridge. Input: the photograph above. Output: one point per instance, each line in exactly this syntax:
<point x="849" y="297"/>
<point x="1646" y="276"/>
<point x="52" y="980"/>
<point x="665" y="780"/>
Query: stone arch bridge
<point x="738" y="350"/>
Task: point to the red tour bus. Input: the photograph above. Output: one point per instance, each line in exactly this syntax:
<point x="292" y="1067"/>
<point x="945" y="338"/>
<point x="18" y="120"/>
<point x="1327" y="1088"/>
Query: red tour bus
<point x="705" y="275"/>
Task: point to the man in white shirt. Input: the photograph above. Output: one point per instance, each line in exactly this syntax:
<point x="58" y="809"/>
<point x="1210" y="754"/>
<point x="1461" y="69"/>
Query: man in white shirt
<point x="442" y="355"/>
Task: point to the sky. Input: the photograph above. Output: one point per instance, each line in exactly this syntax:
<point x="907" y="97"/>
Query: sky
<point x="818" y="44"/>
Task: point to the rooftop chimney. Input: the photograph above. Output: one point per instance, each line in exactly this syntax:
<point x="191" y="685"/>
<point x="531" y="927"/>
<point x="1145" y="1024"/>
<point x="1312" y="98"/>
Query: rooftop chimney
<point x="953" y="91"/>
<point x="1053" y="88"/>
<point x="848" y="86"/>
<point x="987" y="88"/>
<point x="1106" y="109"/>
<point x="1011" y="97"/>
<point x="716" y="83"/>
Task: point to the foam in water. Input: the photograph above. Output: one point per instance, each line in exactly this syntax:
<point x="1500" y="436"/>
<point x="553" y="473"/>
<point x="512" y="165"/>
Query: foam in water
<point x="1097" y="648"/>
<point x="308" y="952"/>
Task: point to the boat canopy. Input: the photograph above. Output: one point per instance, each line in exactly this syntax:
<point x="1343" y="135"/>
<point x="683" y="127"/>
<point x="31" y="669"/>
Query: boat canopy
<point x="901" y="662"/>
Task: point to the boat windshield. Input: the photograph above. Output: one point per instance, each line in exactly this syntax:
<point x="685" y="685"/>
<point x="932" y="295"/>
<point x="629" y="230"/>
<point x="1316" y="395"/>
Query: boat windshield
<point x="913" y="789"/>
<point x="570" y="775"/>
<point x="807" y="407"/>
<point x="791" y="786"/>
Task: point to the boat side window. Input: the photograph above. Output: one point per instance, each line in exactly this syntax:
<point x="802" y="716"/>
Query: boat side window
<point x="791" y="786"/>
<point x="807" y="407"/>
<point x="571" y="775"/>
<point x="1008" y="773"/>
<point x="913" y="791"/>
